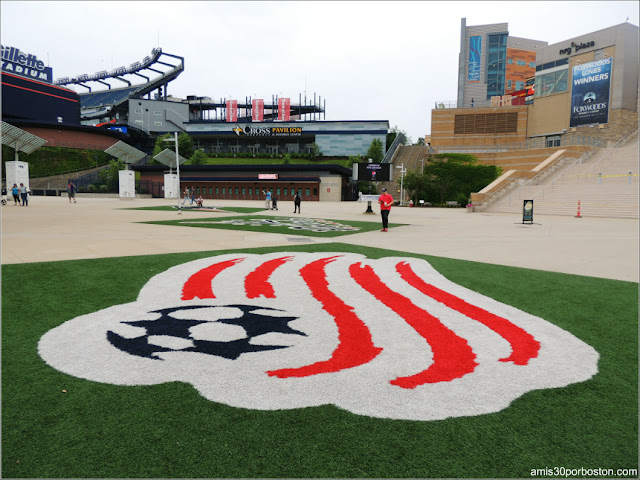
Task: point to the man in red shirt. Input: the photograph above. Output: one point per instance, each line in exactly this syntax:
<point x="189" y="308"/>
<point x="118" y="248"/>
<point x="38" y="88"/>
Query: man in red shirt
<point x="385" y="202"/>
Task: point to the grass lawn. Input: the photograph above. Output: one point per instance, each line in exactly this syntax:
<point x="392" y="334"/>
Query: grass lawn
<point x="284" y="225"/>
<point x="97" y="430"/>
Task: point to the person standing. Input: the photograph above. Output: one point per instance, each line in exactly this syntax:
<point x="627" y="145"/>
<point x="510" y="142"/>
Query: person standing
<point x="71" y="192"/>
<point x="386" y="201"/>
<point x="267" y="201"/>
<point x="296" y="202"/>
<point x="15" y="191"/>
<point x="193" y="195"/>
<point x="23" y="195"/>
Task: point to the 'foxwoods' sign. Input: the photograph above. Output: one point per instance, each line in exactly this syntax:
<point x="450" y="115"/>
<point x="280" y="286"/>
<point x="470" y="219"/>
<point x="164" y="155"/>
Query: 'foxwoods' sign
<point x="25" y="65"/>
<point x="590" y="86"/>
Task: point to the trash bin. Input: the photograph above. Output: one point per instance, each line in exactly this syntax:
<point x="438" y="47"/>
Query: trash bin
<point x="471" y="208"/>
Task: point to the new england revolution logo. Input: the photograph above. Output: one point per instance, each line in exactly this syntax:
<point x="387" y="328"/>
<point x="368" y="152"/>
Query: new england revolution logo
<point x="387" y="338"/>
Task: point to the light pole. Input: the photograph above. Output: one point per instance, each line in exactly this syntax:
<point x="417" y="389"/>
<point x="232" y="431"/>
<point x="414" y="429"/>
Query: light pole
<point x="402" y="172"/>
<point x="175" y="139"/>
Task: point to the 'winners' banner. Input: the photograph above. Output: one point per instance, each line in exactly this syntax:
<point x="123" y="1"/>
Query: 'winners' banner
<point x="386" y="338"/>
<point x="284" y="106"/>
<point x="257" y="110"/>
<point x="232" y="110"/>
<point x="475" y="49"/>
<point x="590" y="93"/>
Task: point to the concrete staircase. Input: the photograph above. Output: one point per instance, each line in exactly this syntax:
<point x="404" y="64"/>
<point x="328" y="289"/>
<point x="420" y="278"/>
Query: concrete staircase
<point x="606" y="185"/>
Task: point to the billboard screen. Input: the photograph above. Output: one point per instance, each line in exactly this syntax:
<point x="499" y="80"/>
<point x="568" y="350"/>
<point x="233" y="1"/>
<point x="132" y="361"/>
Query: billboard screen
<point x="590" y="93"/>
<point x="372" y="172"/>
<point x="475" y="49"/>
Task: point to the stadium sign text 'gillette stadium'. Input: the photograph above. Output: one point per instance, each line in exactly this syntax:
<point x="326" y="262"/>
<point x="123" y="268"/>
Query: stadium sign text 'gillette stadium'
<point x="25" y="64"/>
<point x="270" y="131"/>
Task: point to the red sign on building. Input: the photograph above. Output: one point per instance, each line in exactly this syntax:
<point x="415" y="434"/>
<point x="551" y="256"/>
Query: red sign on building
<point x="232" y="110"/>
<point x="284" y="107"/>
<point x="257" y="110"/>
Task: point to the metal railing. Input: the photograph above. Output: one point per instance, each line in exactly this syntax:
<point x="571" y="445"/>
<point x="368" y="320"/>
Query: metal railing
<point x="399" y="140"/>
<point x="579" y="161"/>
<point x="529" y="144"/>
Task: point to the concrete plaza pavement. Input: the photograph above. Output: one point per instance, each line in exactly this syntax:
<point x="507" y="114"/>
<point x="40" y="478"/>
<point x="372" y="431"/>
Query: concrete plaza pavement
<point x="52" y="229"/>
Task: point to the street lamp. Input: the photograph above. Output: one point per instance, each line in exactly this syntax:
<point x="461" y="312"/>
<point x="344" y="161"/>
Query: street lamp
<point x="402" y="172"/>
<point x="175" y="139"/>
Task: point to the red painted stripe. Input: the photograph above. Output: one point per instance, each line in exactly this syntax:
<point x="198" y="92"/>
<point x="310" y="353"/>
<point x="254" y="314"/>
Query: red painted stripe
<point x="355" y="344"/>
<point x="523" y="346"/>
<point x="199" y="284"/>
<point x="452" y="355"/>
<point x="257" y="282"/>
<point x="41" y="93"/>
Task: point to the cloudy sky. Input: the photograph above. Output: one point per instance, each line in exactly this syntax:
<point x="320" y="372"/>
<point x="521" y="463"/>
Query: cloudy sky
<point x="369" y="60"/>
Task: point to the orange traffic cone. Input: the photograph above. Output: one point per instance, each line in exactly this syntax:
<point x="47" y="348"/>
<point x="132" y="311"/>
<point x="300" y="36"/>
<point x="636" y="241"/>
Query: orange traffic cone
<point x="578" y="215"/>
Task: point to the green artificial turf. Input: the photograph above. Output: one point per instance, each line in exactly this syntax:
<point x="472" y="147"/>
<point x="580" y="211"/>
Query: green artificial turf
<point x="358" y="227"/>
<point x="98" y="430"/>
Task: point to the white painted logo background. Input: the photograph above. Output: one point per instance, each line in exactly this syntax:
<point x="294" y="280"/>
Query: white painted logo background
<point x="79" y="347"/>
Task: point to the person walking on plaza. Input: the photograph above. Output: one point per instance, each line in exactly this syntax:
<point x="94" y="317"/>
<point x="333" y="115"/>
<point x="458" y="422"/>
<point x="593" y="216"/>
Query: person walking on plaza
<point x="267" y="200"/>
<point x="15" y="191"/>
<point x="193" y="195"/>
<point x="71" y="192"/>
<point x="296" y="202"/>
<point x="386" y="201"/>
<point x="186" y="195"/>
<point x="23" y="195"/>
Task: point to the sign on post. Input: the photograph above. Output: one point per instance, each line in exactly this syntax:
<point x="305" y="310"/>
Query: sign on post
<point x="527" y="211"/>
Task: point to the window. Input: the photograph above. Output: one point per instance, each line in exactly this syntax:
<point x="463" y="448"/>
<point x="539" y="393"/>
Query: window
<point x="250" y="191"/>
<point x="243" y="191"/>
<point x="224" y="190"/>
<point x="532" y="64"/>
<point x="157" y="113"/>
<point x="285" y="192"/>
<point x="307" y="192"/>
<point x="139" y="122"/>
<point x="217" y="191"/>
<point x="510" y="61"/>
<point x="554" y="82"/>
<point x="508" y="84"/>
<point x="315" y="192"/>
<point x="553" y="141"/>
<point x="210" y="191"/>
<point x="278" y="191"/>
<point x="137" y="110"/>
<point x="237" y="191"/>
<point x="519" y="85"/>
<point x="157" y="124"/>
<point x="197" y="190"/>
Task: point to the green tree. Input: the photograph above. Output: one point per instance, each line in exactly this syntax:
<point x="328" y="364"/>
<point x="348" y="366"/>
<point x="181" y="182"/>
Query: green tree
<point x="110" y="177"/>
<point x="198" y="158"/>
<point x="185" y="144"/>
<point x="395" y="131"/>
<point x="375" y="150"/>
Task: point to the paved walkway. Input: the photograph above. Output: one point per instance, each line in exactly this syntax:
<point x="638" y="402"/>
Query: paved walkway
<point x="51" y="228"/>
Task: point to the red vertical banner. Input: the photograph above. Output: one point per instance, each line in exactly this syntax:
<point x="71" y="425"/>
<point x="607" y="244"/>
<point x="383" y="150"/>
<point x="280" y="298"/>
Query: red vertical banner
<point x="257" y="110"/>
<point x="284" y="107"/>
<point x="232" y="110"/>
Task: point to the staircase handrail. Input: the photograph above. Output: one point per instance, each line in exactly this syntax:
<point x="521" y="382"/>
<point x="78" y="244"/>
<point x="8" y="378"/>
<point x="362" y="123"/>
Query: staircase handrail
<point x="400" y="139"/>
<point x="607" y="152"/>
